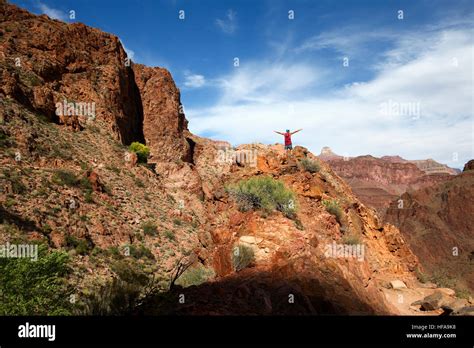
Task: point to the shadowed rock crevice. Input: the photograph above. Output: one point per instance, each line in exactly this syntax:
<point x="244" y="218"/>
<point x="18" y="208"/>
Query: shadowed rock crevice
<point x="189" y="155"/>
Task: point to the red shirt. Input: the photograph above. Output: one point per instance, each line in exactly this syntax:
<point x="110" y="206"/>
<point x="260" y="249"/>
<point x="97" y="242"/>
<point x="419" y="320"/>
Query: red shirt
<point x="287" y="138"/>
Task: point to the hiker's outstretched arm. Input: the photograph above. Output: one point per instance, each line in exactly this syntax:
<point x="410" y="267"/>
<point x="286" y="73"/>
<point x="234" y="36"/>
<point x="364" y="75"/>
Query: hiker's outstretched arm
<point x="296" y="131"/>
<point x="279" y="133"/>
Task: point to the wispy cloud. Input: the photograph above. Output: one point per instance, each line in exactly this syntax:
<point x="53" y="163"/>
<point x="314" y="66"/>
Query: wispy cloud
<point x="262" y="96"/>
<point x="52" y="12"/>
<point x="193" y="80"/>
<point x="229" y="24"/>
<point x="264" y="82"/>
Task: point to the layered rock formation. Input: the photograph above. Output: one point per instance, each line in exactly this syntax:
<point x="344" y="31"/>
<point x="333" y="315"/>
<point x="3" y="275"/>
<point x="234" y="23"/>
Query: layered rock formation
<point x="378" y="181"/>
<point x="437" y="222"/>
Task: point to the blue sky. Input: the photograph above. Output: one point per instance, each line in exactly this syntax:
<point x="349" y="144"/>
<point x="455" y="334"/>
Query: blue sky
<point x="406" y="87"/>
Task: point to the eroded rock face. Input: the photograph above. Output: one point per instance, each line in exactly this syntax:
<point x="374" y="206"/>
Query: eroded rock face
<point x="292" y="258"/>
<point x="379" y="181"/>
<point x="469" y="166"/>
<point x="164" y="124"/>
<point x="44" y="62"/>
<point x="437" y="223"/>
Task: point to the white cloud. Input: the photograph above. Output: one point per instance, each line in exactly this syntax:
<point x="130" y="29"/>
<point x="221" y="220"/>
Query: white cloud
<point x="229" y="24"/>
<point x="130" y="53"/>
<point x="52" y="12"/>
<point x="265" y="83"/>
<point x="263" y="97"/>
<point x="345" y="40"/>
<point x="193" y="80"/>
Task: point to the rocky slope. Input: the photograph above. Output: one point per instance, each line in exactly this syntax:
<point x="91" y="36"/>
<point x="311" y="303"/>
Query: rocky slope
<point x="379" y="181"/>
<point x="70" y="181"/>
<point x="437" y="222"/>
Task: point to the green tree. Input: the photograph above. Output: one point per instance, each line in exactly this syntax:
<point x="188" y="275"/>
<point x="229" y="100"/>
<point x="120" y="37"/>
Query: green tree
<point x="29" y="287"/>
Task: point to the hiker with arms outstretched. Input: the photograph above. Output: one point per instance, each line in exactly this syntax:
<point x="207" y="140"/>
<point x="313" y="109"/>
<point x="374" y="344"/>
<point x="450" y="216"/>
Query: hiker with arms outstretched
<point x="287" y="135"/>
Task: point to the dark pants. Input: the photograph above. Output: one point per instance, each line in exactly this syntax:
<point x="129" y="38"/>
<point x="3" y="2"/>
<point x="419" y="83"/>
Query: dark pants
<point x="289" y="147"/>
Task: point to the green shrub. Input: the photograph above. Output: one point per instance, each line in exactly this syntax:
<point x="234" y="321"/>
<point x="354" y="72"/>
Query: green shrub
<point x="85" y="184"/>
<point x="351" y="239"/>
<point x="443" y="279"/>
<point x="88" y="196"/>
<point x="141" y="150"/>
<point x="463" y="293"/>
<point x="149" y="228"/>
<point x="65" y="177"/>
<point x="310" y="165"/>
<point x="81" y="246"/>
<point x="333" y="208"/>
<point x="422" y="277"/>
<point x="10" y="202"/>
<point x="242" y="257"/>
<point x="139" y="183"/>
<point x="46" y="229"/>
<point x="195" y="276"/>
<point x="115" y="252"/>
<point x="5" y="140"/>
<point x="120" y="295"/>
<point x="264" y="193"/>
<point x="141" y="252"/>
<point x="18" y="187"/>
<point x="38" y="287"/>
<point x="169" y="235"/>
<point x="113" y="169"/>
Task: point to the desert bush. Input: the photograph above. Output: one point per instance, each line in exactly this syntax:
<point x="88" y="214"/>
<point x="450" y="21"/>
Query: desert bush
<point x="422" y="277"/>
<point x="140" y="252"/>
<point x="88" y="196"/>
<point x="65" y="177"/>
<point x="333" y="208"/>
<point x="463" y="293"/>
<point x="169" y="235"/>
<point x="310" y="165"/>
<point x="38" y="287"/>
<point x="18" y="187"/>
<point x="263" y="193"/>
<point x="443" y="279"/>
<point x="149" y="228"/>
<point x="195" y="276"/>
<point x="242" y="257"/>
<point x="139" y="182"/>
<point x="351" y="239"/>
<point x="141" y="150"/>
<point x="121" y="295"/>
<point x="5" y="140"/>
<point x="81" y="246"/>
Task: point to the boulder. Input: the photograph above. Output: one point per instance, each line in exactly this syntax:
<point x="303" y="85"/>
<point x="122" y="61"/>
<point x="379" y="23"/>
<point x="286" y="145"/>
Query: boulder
<point x="397" y="284"/>
<point x="454" y="306"/>
<point x="95" y="181"/>
<point x="469" y="311"/>
<point x="250" y="239"/>
<point x="435" y="301"/>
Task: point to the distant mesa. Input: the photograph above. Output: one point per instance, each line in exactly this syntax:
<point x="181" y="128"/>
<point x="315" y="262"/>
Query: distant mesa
<point x="379" y="181"/>
<point x="428" y="166"/>
<point x="328" y="154"/>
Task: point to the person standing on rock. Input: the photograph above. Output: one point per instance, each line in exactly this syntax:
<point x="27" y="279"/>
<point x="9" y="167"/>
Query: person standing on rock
<point x="287" y="135"/>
